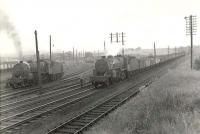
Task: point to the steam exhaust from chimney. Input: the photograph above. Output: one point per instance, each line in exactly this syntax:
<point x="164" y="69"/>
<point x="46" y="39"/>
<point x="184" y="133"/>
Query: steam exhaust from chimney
<point x="6" y="25"/>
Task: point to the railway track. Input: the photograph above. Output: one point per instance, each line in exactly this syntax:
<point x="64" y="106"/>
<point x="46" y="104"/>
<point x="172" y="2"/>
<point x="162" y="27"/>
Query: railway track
<point x="12" y="122"/>
<point x="84" y="120"/>
<point x="15" y="96"/>
<point x="40" y="98"/>
<point x="31" y="106"/>
<point x="10" y="119"/>
<point x="27" y="93"/>
<point x="65" y="78"/>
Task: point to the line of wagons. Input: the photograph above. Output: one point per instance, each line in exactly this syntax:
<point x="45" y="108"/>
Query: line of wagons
<point x="110" y="69"/>
<point x="25" y="73"/>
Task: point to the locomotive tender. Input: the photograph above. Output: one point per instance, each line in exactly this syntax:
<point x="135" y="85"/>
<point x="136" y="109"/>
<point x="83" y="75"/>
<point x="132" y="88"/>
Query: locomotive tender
<point x="25" y="73"/>
<point x="110" y="69"/>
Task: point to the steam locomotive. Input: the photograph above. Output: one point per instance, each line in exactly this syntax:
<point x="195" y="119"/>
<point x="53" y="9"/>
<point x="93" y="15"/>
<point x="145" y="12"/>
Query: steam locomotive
<point x="110" y="69"/>
<point x="25" y="73"/>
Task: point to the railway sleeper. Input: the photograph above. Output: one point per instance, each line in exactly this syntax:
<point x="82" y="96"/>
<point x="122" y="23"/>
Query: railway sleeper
<point x="44" y="116"/>
<point x="98" y="111"/>
<point x="8" y="123"/>
<point x="108" y="105"/>
<point x="25" y="124"/>
<point x="41" y="111"/>
<point x="115" y="101"/>
<point x="93" y="114"/>
<point x="105" y="107"/>
<point x="11" y="122"/>
<point x="16" y="128"/>
<point x="8" y="132"/>
<point x="21" y="117"/>
<point x="3" y="126"/>
<point x="90" y="116"/>
<point x="102" y="109"/>
<point x="112" y="103"/>
<point x="87" y="119"/>
<point x="78" y="123"/>
<point x="16" y="120"/>
<point x="74" y="127"/>
<point x="64" y="131"/>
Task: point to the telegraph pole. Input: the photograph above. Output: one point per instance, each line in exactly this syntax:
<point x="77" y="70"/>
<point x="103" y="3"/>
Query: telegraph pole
<point x="38" y="60"/>
<point x="63" y="56"/>
<point x="111" y="37"/>
<point x="76" y="56"/>
<point x="117" y="35"/>
<point x="104" y="47"/>
<point x="168" y="52"/>
<point x="117" y="38"/>
<point x="50" y="48"/>
<point x="191" y="29"/>
<point x="154" y="51"/>
<point x="73" y="54"/>
<point x="123" y="43"/>
<point x="175" y="51"/>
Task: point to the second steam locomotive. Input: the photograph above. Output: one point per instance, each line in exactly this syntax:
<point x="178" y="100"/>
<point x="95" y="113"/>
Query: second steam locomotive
<point x="25" y="73"/>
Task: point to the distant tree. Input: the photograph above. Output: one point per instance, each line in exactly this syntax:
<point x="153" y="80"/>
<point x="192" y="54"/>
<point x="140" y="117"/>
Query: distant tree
<point x="138" y="48"/>
<point x="88" y="54"/>
<point x="150" y="55"/>
<point x="68" y="54"/>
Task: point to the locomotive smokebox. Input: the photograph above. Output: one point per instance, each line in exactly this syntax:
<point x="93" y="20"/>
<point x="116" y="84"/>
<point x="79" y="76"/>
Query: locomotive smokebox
<point x="101" y="67"/>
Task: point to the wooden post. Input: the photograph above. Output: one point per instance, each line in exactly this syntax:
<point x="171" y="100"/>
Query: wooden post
<point x="191" y="37"/>
<point x="38" y="60"/>
<point x="154" y="51"/>
<point x="73" y="54"/>
<point x="50" y="48"/>
<point x="63" y="56"/>
<point x="168" y="52"/>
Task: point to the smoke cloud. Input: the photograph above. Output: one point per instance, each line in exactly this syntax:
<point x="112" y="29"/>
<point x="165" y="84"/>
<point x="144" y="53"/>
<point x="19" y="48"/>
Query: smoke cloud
<point x="6" y="25"/>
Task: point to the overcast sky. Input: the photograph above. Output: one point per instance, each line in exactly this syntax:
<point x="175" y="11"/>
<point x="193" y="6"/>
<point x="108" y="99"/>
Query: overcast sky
<point x="85" y="24"/>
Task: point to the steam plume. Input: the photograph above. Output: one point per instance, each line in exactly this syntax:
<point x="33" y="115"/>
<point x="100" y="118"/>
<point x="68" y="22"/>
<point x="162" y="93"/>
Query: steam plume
<point x="6" y="25"/>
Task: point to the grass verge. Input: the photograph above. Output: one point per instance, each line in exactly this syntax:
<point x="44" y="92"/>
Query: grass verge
<point x="169" y="106"/>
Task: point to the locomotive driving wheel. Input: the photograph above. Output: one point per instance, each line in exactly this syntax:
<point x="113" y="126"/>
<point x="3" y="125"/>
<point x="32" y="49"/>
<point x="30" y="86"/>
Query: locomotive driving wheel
<point x="123" y="75"/>
<point x="107" y="83"/>
<point x="95" y="84"/>
<point x="15" y="85"/>
<point x="22" y="84"/>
